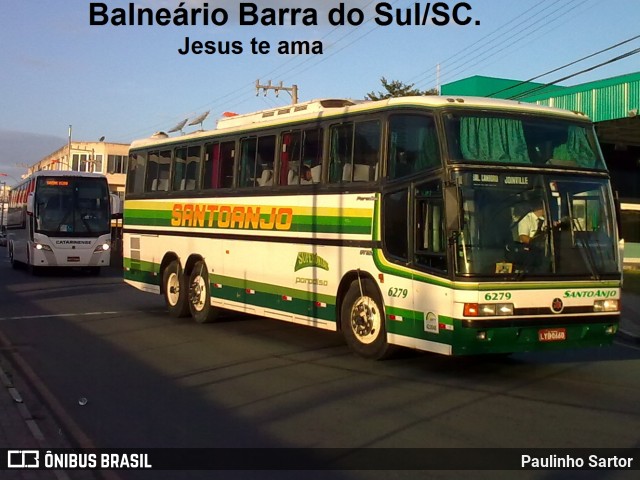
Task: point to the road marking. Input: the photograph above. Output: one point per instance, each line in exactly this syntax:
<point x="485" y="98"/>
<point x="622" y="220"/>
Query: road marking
<point x="56" y="315"/>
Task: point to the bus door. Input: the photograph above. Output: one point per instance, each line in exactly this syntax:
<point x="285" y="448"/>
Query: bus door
<point x="429" y="247"/>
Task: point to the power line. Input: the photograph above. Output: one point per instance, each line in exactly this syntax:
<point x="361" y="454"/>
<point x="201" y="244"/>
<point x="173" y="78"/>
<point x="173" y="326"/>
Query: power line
<point x="483" y="43"/>
<point x="542" y="87"/>
<point x="564" y="66"/>
<point x="512" y="40"/>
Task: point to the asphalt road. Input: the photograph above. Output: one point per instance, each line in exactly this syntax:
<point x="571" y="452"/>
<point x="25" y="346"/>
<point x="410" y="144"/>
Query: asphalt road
<point x="154" y="381"/>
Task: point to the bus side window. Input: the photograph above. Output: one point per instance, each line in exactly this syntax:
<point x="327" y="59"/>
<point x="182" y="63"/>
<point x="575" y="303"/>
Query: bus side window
<point x="312" y="156"/>
<point x="340" y="152"/>
<point x="158" y="170"/>
<point x="227" y="159"/>
<point x="257" y="154"/>
<point x="164" y="170"/>
<point x="135" y="174"/>
<point x="413" y="145"/>
<point x="290" y="154"/>
<point x="366" y="152"/>
<point x="151" y="181"/>
<point x="179" y="168"/>
<point x="211" y="167"/>
<point x="265" y="160"/>
<point x="395" y="226"/>
<point x="190" y="180"/>
<point x="248" y="152"/>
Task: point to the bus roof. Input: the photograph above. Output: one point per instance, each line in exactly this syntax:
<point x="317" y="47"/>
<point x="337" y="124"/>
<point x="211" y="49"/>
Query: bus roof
<point x="323" y="108"/>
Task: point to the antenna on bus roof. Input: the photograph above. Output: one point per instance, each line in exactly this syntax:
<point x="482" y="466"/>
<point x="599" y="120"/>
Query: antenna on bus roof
<point x="199" y="119"/>
<point x="179" y="126"/>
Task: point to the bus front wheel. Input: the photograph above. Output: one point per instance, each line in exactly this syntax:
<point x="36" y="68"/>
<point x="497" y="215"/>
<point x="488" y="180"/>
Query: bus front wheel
<point x="175" y="290"/>
<point x="14" y="263"/>
<point x="200" y="295"/>
<point x="362" y="320"/>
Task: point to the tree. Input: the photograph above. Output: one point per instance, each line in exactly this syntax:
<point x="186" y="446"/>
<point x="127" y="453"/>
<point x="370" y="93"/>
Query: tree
<point x="396" y="88"/>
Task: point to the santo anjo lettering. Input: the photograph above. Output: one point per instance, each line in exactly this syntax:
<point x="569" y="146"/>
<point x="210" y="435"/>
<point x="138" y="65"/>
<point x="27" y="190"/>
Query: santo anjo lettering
<point x="589" y="293"/>
<point x="228" y="216"/>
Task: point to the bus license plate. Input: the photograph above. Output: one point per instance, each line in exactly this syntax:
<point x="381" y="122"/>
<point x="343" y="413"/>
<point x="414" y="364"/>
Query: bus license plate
<point x="73" y="259"/>
<point x="552" y="335"/>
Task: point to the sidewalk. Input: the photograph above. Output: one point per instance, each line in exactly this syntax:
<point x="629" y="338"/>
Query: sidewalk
<point x="19" y="428"/>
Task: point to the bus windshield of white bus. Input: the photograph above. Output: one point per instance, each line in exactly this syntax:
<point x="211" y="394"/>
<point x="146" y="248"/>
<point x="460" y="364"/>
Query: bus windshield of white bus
<point x="522" y="140"/>
<point x="535" y="224"/>
<point x="71" y="206"/>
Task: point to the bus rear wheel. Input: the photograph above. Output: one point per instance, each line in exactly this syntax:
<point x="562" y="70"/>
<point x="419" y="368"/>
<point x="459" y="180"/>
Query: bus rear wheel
<point x="175" y="290"/>
<point x="200" y="295"/>
<point x="363" y="320"/>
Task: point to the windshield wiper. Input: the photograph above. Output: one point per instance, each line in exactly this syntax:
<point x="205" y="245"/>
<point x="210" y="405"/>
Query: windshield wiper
<point x="588" y="251"/>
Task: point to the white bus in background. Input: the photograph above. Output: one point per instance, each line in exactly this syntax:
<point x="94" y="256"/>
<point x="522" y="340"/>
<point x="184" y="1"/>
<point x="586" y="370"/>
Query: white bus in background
<point x="60" y="219"/>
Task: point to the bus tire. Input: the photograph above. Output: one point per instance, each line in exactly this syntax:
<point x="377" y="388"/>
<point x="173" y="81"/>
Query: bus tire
<point x="200" y="295"/>
<point x="175" y="290"/>
<point x="12" y="260"/>
<point x="363" y="321"/>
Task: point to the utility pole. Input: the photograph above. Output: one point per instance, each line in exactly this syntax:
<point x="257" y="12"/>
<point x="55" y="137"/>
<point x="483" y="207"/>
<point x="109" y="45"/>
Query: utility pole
<point x="292" y="90"/>
<point x="4" y="189"/>
<point x="69" y="162"/>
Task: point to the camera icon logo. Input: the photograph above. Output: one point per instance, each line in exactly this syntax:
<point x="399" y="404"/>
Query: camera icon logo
<point x="23" y="459"/>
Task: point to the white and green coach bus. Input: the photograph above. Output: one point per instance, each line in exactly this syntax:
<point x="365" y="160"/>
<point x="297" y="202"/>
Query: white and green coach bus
<point x="396" y="222"/>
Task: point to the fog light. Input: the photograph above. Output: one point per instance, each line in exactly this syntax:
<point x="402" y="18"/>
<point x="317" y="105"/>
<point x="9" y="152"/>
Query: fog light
<point x="611" y="330"/>
<point x="481" y="335"/>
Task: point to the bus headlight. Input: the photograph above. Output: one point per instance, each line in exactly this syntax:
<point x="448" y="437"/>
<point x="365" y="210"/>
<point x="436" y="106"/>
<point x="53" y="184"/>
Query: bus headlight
<point x="487" y="309"/>
<point x="102" y="248"/>
<point x="609" y="305"/>
<point x="42" y="246"/>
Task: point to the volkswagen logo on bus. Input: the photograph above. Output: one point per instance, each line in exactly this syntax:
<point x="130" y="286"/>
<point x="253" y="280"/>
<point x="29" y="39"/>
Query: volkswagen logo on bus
<point x="557" y="305"/>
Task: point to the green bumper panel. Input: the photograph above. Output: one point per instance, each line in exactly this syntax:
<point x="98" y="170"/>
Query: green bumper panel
<point x="513" y="339"/>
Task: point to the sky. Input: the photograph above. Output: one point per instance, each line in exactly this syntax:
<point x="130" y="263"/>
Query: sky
<point x="128" y="81"/>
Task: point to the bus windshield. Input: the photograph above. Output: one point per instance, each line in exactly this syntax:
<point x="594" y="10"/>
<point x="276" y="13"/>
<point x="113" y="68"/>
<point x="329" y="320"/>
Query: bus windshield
<point x="536" y="224"/>
<point x="71" y="206"/>
<point x="522" y="140"/>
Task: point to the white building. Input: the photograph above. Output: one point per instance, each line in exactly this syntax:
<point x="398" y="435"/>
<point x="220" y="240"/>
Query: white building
<point x="107" y="158"/>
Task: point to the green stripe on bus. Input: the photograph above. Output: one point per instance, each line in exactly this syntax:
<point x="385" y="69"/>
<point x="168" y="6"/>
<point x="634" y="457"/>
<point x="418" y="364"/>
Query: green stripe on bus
<point x="259" y="294"/>
<point x="386" y="267"/>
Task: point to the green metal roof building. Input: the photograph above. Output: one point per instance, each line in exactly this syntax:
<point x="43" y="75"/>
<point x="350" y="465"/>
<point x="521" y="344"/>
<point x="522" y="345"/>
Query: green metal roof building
<point x="613" y="104"/>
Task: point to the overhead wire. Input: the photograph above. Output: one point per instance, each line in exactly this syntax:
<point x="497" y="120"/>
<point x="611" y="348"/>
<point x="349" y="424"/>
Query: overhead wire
<point x="469" y="50"/>
<point x="512" y="40"/>
<point x="532" y="79"/>
<point x="594" y="67"/>
<point x="244" y="92"/>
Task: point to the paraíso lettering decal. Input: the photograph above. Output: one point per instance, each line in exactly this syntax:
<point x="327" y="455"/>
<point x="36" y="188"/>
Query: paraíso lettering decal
<point x="228" y="216"/>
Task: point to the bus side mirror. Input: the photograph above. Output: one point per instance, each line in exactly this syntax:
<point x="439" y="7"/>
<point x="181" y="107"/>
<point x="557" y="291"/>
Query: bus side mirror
<point x="453" y="205"/>
<point x="116" y="205"/>
<point x="30" y="203"/>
